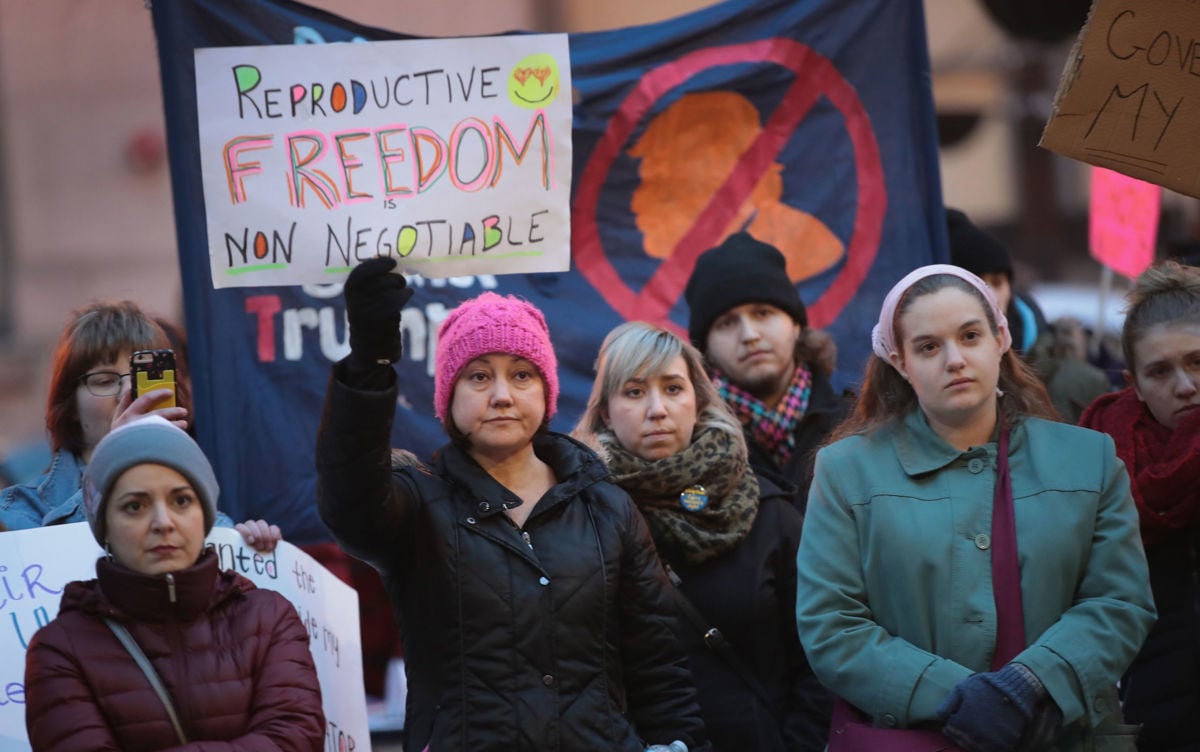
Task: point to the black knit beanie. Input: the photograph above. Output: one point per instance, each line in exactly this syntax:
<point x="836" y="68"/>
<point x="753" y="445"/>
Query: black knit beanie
<point x="974" y="249"/>
<point x="740" y="270"/>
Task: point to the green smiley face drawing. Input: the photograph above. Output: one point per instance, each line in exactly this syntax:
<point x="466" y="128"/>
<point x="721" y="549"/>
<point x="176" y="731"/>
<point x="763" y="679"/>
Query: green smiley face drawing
<point x="533" y="82"/>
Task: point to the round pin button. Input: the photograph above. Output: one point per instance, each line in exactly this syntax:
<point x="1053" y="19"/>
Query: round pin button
<point x="694" y="498"/>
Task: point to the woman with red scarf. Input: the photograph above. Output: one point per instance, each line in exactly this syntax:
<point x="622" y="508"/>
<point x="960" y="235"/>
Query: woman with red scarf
<point x="1155" y="423"/>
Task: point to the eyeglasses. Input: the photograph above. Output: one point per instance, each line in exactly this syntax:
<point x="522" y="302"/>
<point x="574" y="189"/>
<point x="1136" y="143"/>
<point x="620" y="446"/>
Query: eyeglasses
<point x="103" y="383"/>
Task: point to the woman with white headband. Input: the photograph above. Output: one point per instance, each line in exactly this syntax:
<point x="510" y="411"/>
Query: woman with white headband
<point x="970" y="575"/>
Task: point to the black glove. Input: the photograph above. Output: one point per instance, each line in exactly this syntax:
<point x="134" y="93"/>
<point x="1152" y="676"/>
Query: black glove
<point x="993" y="712"/>
<point x="374" y="299"/>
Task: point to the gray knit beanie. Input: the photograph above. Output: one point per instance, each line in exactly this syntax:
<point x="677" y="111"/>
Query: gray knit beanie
<point x="148" y="440"/>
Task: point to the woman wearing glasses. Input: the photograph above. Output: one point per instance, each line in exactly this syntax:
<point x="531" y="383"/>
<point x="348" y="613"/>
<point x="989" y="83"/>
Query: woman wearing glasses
<point x="89" y="396"/>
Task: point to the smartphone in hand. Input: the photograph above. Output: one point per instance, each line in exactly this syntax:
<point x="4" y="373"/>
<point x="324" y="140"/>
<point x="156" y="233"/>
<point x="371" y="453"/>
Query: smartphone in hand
<point x="153" y="369"/>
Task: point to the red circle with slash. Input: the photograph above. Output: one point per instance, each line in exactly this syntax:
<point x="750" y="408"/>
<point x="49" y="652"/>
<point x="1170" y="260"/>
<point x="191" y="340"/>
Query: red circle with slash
<point x="815" y="77"/>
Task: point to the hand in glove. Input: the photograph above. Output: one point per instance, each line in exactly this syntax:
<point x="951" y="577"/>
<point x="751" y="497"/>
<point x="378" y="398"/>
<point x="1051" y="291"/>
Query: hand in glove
<point x="995" y="712"/>
<point x="675" y="746"/>
<point x="374" y="299"/>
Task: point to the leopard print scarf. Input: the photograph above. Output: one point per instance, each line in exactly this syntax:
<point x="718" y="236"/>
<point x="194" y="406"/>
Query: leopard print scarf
<point x="713" y="461"/>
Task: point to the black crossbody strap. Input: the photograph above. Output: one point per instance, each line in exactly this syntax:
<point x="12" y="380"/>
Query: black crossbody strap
<point x="717" y="643"/>
<point x="143" y="663"/>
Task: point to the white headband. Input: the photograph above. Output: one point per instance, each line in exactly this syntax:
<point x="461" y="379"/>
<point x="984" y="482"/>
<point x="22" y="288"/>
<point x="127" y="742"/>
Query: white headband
<point x="881" y="335"/>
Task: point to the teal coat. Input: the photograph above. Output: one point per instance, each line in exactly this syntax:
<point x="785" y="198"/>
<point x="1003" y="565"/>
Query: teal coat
<point x="894" y="603"/>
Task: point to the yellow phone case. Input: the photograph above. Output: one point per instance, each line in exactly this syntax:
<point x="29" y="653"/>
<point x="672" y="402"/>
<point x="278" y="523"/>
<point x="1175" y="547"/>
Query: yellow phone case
<point x="153" y="369"/>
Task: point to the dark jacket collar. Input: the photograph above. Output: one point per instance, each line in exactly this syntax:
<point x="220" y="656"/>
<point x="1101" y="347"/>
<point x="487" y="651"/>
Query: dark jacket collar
<point x="822" y="400"/>
<point x="118" y="591"/>
<point x="575" y="467"/>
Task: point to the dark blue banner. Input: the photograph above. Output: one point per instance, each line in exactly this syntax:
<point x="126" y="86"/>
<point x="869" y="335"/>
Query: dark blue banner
<point x="808" y="123"/>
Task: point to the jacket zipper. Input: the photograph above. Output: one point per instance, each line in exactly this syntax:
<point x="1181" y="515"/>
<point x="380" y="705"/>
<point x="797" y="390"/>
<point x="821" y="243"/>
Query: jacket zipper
<point x="522" y="532"/>
<point x="174" y="635"/>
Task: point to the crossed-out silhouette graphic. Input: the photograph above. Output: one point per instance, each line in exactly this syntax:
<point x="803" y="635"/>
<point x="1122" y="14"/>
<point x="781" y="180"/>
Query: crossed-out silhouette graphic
<point x="747" y="192"/>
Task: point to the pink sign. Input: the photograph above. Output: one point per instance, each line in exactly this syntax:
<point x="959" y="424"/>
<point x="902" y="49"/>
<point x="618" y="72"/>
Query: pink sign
<point x="1123" y="222"/>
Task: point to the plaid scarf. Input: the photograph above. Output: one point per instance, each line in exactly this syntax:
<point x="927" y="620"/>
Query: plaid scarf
<point x="773" y="430"/>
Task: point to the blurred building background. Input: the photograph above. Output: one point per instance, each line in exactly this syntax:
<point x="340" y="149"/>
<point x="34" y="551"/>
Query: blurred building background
<point x="85" y="203"/>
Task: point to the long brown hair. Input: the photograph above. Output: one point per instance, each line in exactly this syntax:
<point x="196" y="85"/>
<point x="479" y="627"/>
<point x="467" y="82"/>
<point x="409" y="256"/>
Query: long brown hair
<point x="95" y="334"/>
<point x="886" y="395"/>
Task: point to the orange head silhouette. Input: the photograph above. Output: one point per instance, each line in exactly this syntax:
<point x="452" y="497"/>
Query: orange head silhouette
<point x="687" y="152"/>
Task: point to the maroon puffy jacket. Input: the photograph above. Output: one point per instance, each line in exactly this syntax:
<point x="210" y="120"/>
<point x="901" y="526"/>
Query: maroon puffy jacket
<point x="234" y="659"/>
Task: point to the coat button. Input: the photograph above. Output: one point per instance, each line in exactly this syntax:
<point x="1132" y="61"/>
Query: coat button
<point x="548" y="680"/>
<point x="975" y="465"/>
<point x="543" y="581"/>
<point x="1101" y="705"/>
<point x="889" y="720"/>
<point x="484" y="506"/>
<point x="983" y="542"/>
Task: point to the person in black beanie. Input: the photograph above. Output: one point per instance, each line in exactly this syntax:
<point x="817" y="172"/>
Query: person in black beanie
<point x="747" y="317"/>
<point x="982" y="254"/>
<point x="1071" y="381"/>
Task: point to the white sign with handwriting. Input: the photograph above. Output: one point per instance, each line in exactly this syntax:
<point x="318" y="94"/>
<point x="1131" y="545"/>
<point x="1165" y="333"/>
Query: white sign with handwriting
<point x="452" y="156"/>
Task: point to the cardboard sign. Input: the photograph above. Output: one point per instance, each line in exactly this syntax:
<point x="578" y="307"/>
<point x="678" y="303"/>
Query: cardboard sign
<point x="451" y="155"/>
<point x="1129" y="98"/>
<point x="35" y="566"/>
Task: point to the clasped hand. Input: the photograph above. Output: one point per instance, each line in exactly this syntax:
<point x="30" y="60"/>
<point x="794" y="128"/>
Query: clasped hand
<point x="1007" y="710"/>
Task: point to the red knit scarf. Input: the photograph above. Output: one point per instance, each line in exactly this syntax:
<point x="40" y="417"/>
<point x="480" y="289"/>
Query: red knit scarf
<point x="1164" y="465"/>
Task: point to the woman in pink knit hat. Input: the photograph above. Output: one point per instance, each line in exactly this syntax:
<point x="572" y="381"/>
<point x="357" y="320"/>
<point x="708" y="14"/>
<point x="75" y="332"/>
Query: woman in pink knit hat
<point x="533" y="609"/>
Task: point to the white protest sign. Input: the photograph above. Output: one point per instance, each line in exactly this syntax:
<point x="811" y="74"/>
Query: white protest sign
<point x="35" y="566"/>
<point x="451" y="155"/>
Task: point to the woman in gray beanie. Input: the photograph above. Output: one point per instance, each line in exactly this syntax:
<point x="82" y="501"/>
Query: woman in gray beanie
<point x="224" y="661"/>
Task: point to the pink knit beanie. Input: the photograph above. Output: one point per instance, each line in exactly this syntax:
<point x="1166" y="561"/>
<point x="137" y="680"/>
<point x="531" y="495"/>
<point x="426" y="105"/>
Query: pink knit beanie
<point x="490" y="323"/>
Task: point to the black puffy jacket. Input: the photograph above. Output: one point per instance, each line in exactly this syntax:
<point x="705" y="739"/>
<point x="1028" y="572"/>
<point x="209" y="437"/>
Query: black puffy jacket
<point x="749" y="593"/>
<point x="556" y="636"/>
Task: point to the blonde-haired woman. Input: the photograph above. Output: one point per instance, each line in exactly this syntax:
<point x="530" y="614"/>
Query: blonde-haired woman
<point x="728" y="537"/>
